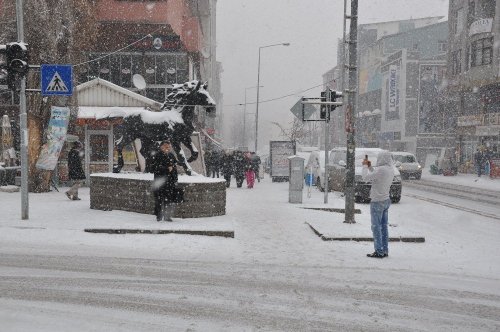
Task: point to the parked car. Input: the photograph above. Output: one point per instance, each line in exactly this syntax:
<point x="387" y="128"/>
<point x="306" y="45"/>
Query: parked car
<point x="407" y="165"/>
<point x="337" y="174"/>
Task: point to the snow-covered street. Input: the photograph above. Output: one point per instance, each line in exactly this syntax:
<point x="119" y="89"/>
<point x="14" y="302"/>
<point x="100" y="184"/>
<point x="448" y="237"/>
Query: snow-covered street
<point x="275" y="274"/>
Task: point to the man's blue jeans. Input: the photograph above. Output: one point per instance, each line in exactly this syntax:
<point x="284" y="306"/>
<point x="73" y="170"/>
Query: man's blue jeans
<point x="380" y="218"/>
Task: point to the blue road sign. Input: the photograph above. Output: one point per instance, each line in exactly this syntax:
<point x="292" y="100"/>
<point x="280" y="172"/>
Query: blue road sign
<point x="57" y="80"/>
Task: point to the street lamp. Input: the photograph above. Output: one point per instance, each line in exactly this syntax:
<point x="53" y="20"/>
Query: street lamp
<point x="258" y="84"/>
<point x="245" y="115"/>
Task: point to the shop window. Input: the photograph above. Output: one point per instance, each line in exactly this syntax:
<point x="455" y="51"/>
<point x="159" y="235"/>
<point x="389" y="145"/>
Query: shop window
<point x="137" y="64"/>
<point x="126" y="70"/>
<point x="114" y="65"/>
<point x="161" y="69"/>
<point x="171" y="69"/>
<point x="98" y="148"/>
<point x="150" y="69"/>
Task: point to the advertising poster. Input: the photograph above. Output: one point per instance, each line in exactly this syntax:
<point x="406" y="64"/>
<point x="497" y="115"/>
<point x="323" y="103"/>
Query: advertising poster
<point x="280" y="151"/>
<point x="56" y="135"/>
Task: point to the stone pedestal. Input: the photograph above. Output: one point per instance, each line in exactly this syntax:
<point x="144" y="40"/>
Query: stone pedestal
<point x="203" y="197"/>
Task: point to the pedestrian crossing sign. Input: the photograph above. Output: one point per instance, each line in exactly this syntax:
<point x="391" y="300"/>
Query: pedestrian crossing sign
<point x="57" y="80"/>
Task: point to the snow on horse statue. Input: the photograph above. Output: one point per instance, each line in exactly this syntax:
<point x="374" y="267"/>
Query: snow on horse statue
<point x="174" y="122"/>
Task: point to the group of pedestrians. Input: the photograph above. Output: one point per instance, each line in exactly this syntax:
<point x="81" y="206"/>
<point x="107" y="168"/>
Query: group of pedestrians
<point x="241" y="165"/>
<point x="482" y="158"/>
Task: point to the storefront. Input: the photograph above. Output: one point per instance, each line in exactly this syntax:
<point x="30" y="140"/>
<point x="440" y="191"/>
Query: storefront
<point x="478" y="131"/>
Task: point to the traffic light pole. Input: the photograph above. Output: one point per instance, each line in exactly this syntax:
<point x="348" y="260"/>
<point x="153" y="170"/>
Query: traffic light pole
<point x="351" y="106"/>
<point x="326" y="101"/>
<point x="23" y="121"/>
<point x="327" y="118"/>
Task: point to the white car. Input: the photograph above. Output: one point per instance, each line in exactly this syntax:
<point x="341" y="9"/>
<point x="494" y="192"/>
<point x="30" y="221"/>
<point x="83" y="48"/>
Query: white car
<point x="407" y="165"/>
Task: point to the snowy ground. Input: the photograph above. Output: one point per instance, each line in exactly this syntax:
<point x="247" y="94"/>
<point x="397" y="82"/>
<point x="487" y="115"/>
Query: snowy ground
<point x="273" y="246"/>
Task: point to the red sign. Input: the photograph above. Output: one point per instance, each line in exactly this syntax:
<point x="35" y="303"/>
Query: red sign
<point x="210" y="131"/>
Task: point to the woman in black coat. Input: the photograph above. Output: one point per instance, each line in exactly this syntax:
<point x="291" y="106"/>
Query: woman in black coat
<point x="166" y="193"/>
<point x="75" y="171"/>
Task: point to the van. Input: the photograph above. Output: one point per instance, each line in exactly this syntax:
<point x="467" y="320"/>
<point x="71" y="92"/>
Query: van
<point x="407" y="165"/>
<point x="337" y="174"/>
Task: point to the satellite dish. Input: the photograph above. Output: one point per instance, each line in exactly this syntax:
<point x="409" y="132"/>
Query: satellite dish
<point x="139" y="81"/>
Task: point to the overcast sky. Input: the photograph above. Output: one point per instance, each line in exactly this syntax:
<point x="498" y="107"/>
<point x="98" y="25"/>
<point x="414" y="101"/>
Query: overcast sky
<point x="312" y="27"/>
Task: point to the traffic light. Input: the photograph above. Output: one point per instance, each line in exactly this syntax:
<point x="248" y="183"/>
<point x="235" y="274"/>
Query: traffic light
<point x="17" y="57"/>
<point x="323" y="109"/>
<point x="15" y="63"/>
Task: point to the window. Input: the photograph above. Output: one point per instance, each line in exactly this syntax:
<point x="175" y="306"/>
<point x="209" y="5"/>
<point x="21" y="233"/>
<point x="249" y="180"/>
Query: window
<point x="458" y="21"/>
<point x="442" y="46"/>
<point x="456" y="62"/>
<point x="481" y="52"/>
<point x="472" y="13"/>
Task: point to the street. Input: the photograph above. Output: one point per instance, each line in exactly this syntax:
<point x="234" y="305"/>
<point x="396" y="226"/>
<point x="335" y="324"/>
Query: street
<point x="275" y="275"/>
<point x="89" y="293"/>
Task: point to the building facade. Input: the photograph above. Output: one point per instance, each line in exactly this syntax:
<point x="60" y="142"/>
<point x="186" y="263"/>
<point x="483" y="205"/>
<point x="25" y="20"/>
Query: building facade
<point x="473" y="75"/>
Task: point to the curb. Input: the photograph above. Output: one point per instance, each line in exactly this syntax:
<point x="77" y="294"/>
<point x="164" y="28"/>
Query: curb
<point x="411" y="239"/>
<point x="228" y="234"/>
<point x="339" y="210"/>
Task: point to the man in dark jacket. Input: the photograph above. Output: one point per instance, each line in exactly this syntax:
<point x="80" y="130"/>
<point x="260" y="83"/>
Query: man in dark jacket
<point x="478" y="161"/>
<point x="227" y="167"/>
<point x="75" y="171"/>
<point x="164" y="168"/>
<point x="239" y="163"/>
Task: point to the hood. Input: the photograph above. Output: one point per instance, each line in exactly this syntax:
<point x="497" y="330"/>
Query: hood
<point x="384" y="158"/>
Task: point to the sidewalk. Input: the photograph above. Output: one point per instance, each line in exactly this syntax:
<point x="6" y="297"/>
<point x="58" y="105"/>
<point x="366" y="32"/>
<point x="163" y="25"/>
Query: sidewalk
<point x="467" y="180"/>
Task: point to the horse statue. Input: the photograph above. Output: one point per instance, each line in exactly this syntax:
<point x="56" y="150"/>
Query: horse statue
<point x="174" y="122"/>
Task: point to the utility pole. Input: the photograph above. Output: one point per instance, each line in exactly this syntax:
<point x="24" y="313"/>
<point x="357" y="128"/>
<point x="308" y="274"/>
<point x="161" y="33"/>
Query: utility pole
<point x="351" y="106"/>
<point x="23" y="117"/>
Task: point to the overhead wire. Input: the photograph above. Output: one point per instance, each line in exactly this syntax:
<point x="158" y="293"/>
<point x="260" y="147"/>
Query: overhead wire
<point x="282" y="97"/>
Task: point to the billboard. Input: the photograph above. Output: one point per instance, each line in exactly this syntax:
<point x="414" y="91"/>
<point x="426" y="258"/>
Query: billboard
<point x="279" y="153"/>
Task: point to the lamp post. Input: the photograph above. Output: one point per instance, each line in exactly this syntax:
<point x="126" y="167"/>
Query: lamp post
<point x="245" y="115"/>
<point x="258" y="84"/>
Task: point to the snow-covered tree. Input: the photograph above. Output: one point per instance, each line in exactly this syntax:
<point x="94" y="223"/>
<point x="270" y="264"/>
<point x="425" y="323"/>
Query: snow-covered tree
<point x="57" y="32"/>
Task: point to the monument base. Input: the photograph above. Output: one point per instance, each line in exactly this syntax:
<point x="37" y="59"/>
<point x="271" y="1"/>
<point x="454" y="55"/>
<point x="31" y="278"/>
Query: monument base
<point x="203" y="197"/>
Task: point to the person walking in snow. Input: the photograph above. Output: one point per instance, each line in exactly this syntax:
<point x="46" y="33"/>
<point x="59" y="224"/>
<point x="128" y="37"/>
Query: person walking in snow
<point x="478" y="161"/>
<point x="165" y="191"/>
<point x="216" y="156"/>
<point x="256" y="165"/>
<point x="381" y="178"/>
<point x="75" y="170"/>
<point x="227" y="167"/>
<point x="249" y="171"/>
<point x="239" y="167"/>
